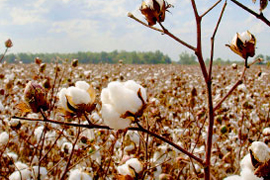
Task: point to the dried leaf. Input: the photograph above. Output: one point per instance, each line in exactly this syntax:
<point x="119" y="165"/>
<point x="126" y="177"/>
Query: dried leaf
<point x="23" y="107"/>
<point x="124" y="177"/>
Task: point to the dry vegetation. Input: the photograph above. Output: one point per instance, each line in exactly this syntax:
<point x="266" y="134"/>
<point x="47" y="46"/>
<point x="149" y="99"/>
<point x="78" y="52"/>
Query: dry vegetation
<point x="177" y="110"/>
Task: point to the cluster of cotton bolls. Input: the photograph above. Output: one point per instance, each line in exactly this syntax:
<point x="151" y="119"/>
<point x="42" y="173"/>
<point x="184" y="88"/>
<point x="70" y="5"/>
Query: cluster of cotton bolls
<point x="176" y="109"/>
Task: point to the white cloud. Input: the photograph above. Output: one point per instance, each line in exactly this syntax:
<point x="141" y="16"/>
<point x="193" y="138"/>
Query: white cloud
<point x="22" y="16"/>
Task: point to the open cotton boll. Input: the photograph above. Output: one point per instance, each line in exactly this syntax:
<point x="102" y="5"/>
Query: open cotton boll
<point x="124" y="170"/>
<point x="135" y="164"/>
<point x="130" y="166"/>
<point x="79" y="175"/>
<point x="132" y="85"/>
<point x="20" y="175"/>
<point x="123" y="98"/>
<point x="82" y="85"/>
<point x="38" y="131"/>
<point x="248" y="174"/>
<point x="246" y="162"/>
<point x="260" y="151"/>
<point x="79" y="96"/>
<point x="4" y="137"/>
<point x="62" y="98"/>
<point x="245" y="36"/>
<point x="118" y="99"/>
<point x="112" y="118"/>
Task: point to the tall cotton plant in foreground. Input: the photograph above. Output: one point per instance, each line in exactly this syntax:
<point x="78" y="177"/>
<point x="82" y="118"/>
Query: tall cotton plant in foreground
<point x="77" y="99"/>
<point x="121" y="103"/>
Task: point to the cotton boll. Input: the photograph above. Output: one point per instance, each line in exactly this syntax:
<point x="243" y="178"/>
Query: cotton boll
<point x="124" y="170"/>
<point x="260" y="151"/>
<point x="246" y="162"/>
<point x="123" y="99"/>
<point x="79" y="175"/>
<point x="62" y="97"/>
<point x="4" y="137"/>
<point x="13" y="156"/>
<point x="38" y="132"/>
<point x="130" y="166"/>
<point x="135" y="164"/>
<point x="20" y="166"/>
<point x="248" y="174"/>
<point x="66" y="147"/>
<point x="79" y="96"/>
<point x="132" y="85"/>
<point x="82" y="85"/>
<point x="119" y="98"/>
<point x="112" y="118"/>
<point x="20" y="175"/>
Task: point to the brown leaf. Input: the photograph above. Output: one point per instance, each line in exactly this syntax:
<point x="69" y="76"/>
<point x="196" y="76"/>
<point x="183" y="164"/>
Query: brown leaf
<point x="124" y="177"/>
<point x="263" y="170"/>
<point x="23" y="107"/>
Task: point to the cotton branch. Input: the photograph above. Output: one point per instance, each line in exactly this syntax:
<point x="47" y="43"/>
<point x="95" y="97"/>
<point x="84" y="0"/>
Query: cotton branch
<point x="259" y="16"/>
<point x="213" y="41"/>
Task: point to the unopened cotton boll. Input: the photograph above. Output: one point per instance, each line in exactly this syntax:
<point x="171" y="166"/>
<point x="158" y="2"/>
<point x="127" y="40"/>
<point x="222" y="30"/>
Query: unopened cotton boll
<point x="4" y="137"/>
<point x="119" y="98"/>
<point x="79" y="175"/>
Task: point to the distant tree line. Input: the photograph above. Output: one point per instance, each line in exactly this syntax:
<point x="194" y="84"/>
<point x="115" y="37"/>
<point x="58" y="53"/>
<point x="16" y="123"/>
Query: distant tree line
<point x="190" y="59"/>
<point x="113" y="57"/>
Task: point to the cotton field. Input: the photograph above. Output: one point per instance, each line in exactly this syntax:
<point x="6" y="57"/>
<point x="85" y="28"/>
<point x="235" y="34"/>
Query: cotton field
<point x="81" y="134"/>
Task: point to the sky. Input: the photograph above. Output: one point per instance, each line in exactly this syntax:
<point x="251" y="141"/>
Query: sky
<point x="67" y="26"/>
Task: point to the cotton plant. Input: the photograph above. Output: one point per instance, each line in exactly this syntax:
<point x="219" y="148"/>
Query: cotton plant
<point x="77" y="99"/>
<point x="122" y="103"/>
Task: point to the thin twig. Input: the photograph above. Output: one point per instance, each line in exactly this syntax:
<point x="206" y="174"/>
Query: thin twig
<point x="165" y="31"/>
<point x="206" y="12"/>
<point x="213" y="41"/>
<point x="3" y="55"/>
<point x="71" y="154"/>
<point x="259" y="16"/>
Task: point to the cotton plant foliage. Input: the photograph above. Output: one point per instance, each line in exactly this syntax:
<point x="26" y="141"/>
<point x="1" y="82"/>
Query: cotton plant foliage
<point x="121" y="98"/>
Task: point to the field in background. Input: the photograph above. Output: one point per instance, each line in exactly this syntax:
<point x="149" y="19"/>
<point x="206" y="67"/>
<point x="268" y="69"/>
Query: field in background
<point x="177" y="103"/>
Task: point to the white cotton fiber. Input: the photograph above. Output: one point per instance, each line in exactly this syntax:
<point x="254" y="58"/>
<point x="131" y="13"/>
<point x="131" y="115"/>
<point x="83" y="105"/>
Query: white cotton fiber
<point x="79" y="175"/>
<point x="112" y="118"/>
<point x="260" y="151"/>
<point x="4" y="137"/>
<point x="79" y="96"/>
<point x="82" y="85"/>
